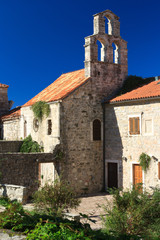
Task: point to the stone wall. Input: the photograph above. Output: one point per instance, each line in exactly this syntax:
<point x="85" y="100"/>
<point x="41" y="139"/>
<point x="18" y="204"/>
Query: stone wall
<point x="22" y="169"/>
<point x="121" y="145"/>
<point x="11" y="129"/>
<point x="41" y="135"/>
<point x="10" y="146"/>
<point x="83" y="166"/>
<point x="4" y="105"/>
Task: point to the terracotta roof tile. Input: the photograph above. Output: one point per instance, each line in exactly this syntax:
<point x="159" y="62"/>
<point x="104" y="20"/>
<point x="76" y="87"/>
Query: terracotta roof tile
<point x="14" y="113"/>
<point x="60" y="88"/>
<point x="150" y="90"/>
<point x="3" y="85"/>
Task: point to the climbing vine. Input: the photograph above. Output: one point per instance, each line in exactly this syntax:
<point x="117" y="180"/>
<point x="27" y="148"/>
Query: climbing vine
<point x="41" y="109"/>
<point x="144" y="160"/>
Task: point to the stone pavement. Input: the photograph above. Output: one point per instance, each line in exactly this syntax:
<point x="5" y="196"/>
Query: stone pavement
<point x="90" y="206"/>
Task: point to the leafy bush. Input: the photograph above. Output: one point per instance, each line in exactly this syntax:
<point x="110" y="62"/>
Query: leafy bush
<point x="134" y="213"/>
<point x="45" y="226"/>
<point x="30" y="146"/>
<point x="4" y="201"/>
<point x="65" y="230"/>
<point x="41" y="109"/>
<point x="15" y="218"/>
<point x="133" y="82"/>
<point x="55" y="198"/>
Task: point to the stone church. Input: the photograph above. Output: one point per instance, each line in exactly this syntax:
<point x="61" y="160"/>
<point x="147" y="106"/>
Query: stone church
<point x="79" y="116"/>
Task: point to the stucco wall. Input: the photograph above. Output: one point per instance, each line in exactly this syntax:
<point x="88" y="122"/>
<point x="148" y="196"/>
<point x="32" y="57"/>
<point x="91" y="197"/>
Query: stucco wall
<point x="11" y="130"/>
<point x="120" y="144"/>
<point x="41" y="136"/>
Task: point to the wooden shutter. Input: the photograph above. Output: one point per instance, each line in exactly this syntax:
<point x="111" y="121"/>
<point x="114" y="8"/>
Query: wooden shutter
<point x="134" y="126"/>
<point x="131" y="126"/>
<point x="158" y="170"/>
<point x="137" y="128"/>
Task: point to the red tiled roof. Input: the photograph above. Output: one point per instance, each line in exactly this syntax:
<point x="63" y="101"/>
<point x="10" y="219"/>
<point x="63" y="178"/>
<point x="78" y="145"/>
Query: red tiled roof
<point x="150" y="90"/>
<point x="14" y="113"/>
<point x="60" y="88"/>
<point x="3" y="85"/>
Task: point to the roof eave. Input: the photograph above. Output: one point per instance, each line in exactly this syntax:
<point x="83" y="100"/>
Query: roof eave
<point x="133" y="100"/>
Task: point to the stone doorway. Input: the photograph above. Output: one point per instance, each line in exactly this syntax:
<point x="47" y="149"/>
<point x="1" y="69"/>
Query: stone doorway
<point x="46" y="173"/>
<point x="112" y="175"/>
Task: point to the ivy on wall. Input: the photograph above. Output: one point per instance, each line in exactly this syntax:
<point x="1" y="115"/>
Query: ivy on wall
<point x="41" y="109"/>
<point x="144" y="160"/>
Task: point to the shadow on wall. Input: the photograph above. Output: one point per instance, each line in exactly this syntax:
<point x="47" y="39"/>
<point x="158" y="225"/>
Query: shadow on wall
<point x="113" y="149"/>
<point x="3" y="191"/>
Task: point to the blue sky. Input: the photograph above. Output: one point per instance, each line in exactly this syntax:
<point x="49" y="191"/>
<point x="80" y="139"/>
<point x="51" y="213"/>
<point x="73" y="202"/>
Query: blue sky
<point x="41" y="39"/>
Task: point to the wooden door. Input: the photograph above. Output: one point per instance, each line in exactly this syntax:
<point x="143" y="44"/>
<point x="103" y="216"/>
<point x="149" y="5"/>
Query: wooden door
<point x="112" y="175"/>
<point x="137" y="174"/>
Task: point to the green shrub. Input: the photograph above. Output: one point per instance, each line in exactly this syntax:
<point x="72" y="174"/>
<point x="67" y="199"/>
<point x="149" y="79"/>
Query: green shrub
<point x="55" y="198"/>
<point x="15" y="218"/>
<point x="4" y="201"/>
<point x="132" y="82"/>
<point x="41" y="109"/>
<point x="134" y="213"/>
<point x="30" y="146"/>
<point x="65" y="230"/>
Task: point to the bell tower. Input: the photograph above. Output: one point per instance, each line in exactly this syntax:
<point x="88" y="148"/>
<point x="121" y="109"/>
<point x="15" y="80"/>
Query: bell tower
<point x="112" y="64"/>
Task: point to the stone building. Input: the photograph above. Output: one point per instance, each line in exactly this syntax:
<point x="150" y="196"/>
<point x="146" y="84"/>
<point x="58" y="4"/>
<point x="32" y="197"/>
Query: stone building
<point x="76" y="118"/>
<point x="132" y="127"/>
<point x="5" y="105"/>
<point x="101" y="135"/>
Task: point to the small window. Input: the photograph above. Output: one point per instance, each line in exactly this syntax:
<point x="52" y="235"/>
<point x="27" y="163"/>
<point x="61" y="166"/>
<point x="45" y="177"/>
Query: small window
<point x="35" y="124"/>
<point x="49" y="131"/>
<point x="96" y="130"/>
<point x="158" y="170"/>
<point x="134" y="126"/>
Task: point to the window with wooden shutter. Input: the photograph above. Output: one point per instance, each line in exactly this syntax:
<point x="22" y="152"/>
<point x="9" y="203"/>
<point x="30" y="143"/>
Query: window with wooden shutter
<point x="134" y="126"/>
<point x="158" y="170"/>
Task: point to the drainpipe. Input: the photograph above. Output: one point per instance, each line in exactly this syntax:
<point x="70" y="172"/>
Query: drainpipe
<point x="104" y="173"/>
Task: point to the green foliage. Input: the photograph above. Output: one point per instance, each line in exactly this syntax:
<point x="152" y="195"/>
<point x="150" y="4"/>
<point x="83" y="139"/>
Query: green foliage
<point x="41" y="109"/>
<point x="4" y="201"/>
<point x="46" y="226"/>
<point x="144" y="160"/>
<point x="65" y="230"/>
<point x="134" y="214"/>
<point x="55" y="198"/>
<point x="30" y="146"/>
<point x="133" y="82"/>
<point x="15" y="218"/>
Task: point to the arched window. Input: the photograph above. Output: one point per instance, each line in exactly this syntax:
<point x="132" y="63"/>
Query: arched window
<point x="115" y="53"/>
<point x="101" y="51"/>
<point x="96" y="130"/>
<point x="108" y="26"/>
